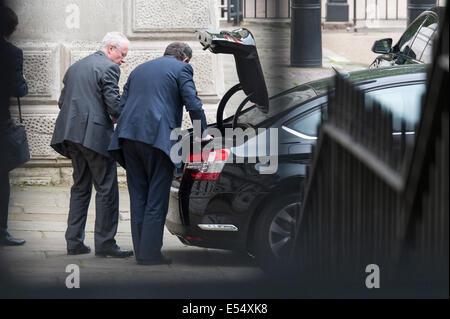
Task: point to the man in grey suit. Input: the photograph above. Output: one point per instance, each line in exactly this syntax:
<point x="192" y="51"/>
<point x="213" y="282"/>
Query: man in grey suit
<point x="89" y="105"/>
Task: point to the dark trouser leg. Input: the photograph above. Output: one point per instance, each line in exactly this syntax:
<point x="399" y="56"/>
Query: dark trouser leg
<point x="160" y="174"/>
<point x="137" y="188"/>
<point x="80" y="196"/>
<point x="4" y="201"/>
<point x="149" y="175"/>
<point x="104" y="176"/>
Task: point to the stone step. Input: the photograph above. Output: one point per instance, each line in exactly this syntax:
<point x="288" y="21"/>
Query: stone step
<point x="58" y="226"/>
<point x="42" y="217"/>
<point x="56" y="217"/>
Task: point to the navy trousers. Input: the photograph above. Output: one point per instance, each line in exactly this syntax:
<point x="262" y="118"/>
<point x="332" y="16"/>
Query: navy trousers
<point x="149" y="177"/>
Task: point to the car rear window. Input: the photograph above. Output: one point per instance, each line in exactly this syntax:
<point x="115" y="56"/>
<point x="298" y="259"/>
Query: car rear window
<point x="254" y="116"/>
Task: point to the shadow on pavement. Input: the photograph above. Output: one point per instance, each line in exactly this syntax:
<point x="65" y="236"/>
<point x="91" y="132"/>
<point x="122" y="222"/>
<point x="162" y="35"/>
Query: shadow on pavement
<point x="211" y="257"/>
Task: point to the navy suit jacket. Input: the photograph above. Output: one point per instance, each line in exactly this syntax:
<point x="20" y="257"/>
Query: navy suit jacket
<point x="152" y="105"/>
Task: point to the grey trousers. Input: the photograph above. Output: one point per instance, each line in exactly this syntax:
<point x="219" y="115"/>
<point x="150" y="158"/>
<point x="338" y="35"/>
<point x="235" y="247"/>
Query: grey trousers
<point x="91" y="168"/>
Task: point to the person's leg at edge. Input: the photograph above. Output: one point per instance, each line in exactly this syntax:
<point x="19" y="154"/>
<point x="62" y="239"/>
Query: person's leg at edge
<point x="4" y="201"/>
<point x="5" y="192"/>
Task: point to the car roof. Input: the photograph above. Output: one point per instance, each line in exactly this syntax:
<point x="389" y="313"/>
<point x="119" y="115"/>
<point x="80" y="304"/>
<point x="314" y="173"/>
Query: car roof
<point x="440" y="11"/>
<point x="363" y="76"/>
<point x="365" y="79"/>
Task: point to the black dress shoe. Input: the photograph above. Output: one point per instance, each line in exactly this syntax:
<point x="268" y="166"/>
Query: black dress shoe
<point x="83" y="249"/>
<point x="115" y="252"/>
<point x="163" y="260"/>
<point x="7" y="240"/>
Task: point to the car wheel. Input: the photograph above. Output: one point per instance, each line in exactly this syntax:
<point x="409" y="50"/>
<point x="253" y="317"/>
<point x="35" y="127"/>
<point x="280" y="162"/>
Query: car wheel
<point x="274" y="232"/>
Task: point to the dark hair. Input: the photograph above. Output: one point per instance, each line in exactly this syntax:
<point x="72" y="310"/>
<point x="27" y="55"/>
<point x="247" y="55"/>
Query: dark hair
<point x="8" y="21"/>
<point x="179" y="50"/>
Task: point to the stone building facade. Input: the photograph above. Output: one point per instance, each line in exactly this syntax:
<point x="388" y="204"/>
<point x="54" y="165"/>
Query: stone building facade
<point x="56" y="33"/>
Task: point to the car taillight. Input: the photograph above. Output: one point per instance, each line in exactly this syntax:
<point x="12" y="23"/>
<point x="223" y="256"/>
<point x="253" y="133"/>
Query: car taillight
<point x="207" y="165"/>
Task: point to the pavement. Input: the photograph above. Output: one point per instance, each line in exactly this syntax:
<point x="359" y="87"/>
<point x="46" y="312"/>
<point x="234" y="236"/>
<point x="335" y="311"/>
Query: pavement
<point x="39" y="214"/>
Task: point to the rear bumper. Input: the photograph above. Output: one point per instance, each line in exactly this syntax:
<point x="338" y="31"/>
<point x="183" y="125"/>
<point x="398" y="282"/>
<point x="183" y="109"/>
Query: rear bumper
<point x="194" y="236"/>
<point x="190" y="233"/>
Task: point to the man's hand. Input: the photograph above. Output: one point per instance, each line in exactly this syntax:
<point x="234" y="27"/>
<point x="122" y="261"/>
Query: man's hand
<point x="207" y="138"/>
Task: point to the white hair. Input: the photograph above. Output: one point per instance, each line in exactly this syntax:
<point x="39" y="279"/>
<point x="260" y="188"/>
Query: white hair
<point x="116" y="39"/>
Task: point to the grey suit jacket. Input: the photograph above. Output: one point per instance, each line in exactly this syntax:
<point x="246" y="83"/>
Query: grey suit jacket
<point x="89" y="99"/>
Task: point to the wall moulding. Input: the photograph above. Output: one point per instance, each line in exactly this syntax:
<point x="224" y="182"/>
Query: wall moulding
<point x="162" y="19"/>
<point x="140" y="52"/>
<point x="42" y="72"/>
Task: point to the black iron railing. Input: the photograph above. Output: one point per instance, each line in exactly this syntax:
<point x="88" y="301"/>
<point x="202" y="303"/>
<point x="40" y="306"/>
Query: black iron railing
<point x="267" y="9"/>
<point x="233" y="9"/>
<point x="374" y="199"/>
<point x="359" y="9"/>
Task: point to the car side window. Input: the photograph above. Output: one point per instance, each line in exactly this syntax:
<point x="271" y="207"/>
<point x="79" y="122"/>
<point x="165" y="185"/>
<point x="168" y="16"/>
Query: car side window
<point x="279" y="104"/>
<point x="426" y="37"/>
<point x="407" y="39"/>
<point x="306" y="124"/>
<point x="405" y="103"/>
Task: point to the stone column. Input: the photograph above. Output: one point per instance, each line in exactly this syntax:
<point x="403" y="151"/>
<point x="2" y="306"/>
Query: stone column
<point x="337" y="11"/>
<point x="56" y="33"/>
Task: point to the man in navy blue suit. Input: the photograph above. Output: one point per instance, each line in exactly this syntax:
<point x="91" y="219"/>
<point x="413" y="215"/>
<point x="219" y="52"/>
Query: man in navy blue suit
<point x="152" y="106"/>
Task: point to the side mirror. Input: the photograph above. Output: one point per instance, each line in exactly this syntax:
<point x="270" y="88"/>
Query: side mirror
<point x="382" y="46"/>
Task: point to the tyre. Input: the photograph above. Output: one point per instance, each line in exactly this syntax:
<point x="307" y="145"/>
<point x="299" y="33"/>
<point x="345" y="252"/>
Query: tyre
<point x="274" y="232"/>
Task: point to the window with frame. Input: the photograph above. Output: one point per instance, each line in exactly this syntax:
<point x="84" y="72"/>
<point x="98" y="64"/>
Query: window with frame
<point x="425" y="38"/>
<point x="306" y="124"/>
<point x="405" y="103"/>
<point x="407" y="40"/>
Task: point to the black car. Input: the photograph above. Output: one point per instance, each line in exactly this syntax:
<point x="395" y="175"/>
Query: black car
<point x="222" y="200"/>
<point x="416" y="43"/>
